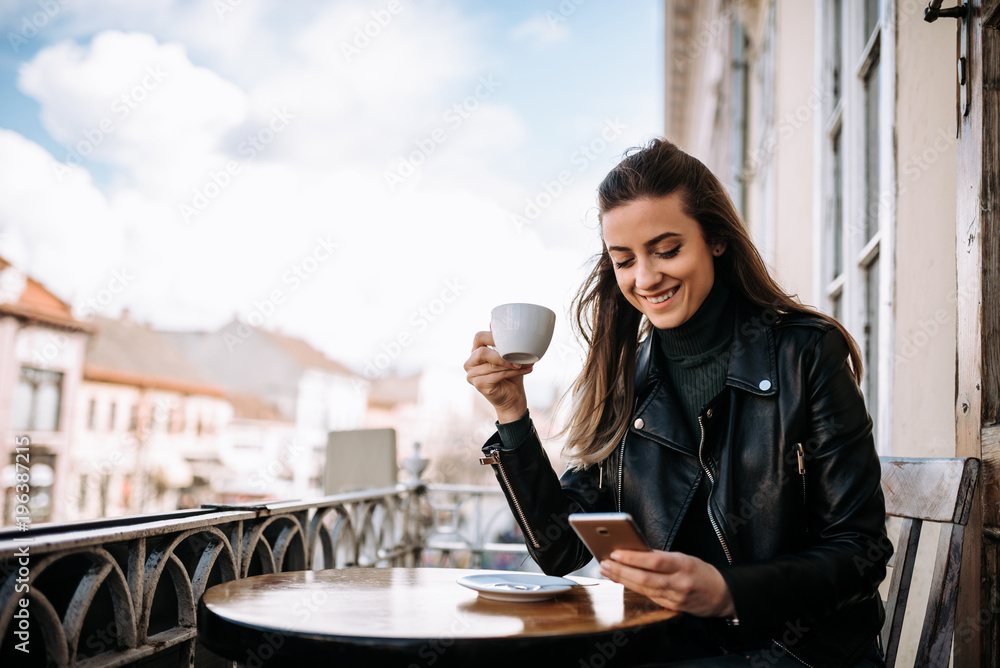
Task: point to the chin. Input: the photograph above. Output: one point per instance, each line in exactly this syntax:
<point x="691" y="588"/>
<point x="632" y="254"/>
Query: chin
<point x="664" y="321"/>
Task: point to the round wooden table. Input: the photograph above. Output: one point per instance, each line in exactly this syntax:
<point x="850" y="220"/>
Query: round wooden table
<point x="423" y="617"/>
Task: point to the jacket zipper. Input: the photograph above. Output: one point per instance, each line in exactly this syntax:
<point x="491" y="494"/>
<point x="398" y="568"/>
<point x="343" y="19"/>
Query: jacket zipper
<point x="801" y="456"/>
<point x="621" y="469"/>
<point x="621" y="459"/>
<point x="711" y="515"/>
<point x="791" y="654"/>
<point x="494" y="458"/>
<point x="800" y="453"/>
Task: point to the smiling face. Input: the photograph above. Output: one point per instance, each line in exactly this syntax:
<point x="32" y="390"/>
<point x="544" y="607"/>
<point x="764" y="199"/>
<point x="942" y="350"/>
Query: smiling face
<point x="663" y="265"/>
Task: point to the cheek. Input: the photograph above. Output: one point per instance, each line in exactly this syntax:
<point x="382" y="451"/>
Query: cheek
<point x="623" y="283"/>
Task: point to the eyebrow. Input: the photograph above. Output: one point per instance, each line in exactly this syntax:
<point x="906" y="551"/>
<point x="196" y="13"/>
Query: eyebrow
<point x="649" y="244"/>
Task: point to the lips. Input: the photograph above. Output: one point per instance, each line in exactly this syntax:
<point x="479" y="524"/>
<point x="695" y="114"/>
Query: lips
<point x="662" y="298"/>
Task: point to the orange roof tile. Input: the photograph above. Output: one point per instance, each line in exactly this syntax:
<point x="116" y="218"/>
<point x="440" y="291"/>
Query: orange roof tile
<point x="103" y="374"/>
<point x="252" y="407"/>
<point x="305" y="354"/>
<point x="125" y="352"/>
<point x="36" y="302"/>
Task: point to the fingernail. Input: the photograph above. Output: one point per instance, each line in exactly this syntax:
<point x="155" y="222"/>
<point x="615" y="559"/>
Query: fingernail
<point x="516" y="366"/>
<point x="615" y="555"/>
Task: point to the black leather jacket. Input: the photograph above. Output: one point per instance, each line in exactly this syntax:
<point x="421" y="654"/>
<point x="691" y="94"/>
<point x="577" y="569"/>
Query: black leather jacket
<point x="795" y="497"/>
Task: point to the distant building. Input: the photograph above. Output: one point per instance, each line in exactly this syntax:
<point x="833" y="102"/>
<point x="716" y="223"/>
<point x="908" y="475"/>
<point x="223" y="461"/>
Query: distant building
<point x="303" y="386"/>
<point x="41" y="365"/>
<point x="442" y="412"/>
<point x="151" y="431"/>
<point x="261" y="450"/>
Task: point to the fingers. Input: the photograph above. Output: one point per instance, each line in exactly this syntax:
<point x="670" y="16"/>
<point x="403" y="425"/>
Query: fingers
<point x="499" y="381"/>
<point x="636" y="579"/>
<point x="485" y="376"/>
<point x="482" y="355"/>
<point x="484" y="361"/>
<point x="654" y="560"/>
<point x="674" y="580"/>
<point x="482" y="339"/>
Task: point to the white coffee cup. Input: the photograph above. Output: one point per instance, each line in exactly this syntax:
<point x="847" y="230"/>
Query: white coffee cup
<point x="522" y="332"/>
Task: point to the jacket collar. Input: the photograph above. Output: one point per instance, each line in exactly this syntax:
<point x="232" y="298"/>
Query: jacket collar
<point x="752" y="363"/>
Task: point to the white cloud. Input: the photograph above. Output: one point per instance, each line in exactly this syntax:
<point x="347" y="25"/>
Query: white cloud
<point x="540" y="30"/>
<point x="63" y="232"/>
<point x="127" y="100"/>
<point x="321" y="176"/>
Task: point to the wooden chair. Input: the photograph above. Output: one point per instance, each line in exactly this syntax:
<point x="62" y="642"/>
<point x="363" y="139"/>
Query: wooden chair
<point x="937" y="490"/>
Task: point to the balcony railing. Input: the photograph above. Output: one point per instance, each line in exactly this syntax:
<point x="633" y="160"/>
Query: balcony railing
<point x="124" y="591"/>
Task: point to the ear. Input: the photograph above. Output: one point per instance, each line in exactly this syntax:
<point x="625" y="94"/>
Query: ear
<point x="718" y="249"/>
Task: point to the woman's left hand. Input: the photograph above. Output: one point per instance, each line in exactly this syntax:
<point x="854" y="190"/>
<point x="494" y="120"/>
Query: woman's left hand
<point x="675" y="580"/>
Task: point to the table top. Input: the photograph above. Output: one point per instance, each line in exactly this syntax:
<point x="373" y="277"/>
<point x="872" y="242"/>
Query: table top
<point x="401" y="609"/>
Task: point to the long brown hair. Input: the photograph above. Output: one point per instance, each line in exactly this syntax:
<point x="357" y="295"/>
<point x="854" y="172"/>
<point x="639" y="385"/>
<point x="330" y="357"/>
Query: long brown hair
<point x="604" y="392"/>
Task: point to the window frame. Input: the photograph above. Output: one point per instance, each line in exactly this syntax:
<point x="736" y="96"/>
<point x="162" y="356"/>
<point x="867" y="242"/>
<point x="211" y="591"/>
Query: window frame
<point x="858" y="56"/>
<point x="32" y="424"/>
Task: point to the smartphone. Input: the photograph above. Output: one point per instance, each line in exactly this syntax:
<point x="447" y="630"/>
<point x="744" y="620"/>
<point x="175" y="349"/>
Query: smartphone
<point x="603" y="533"/>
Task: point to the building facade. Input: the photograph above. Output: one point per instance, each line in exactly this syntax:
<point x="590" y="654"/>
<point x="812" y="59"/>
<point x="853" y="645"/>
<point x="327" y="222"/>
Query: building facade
<point x="151" y="433"/>
<point x="839" y="128"/>
<point x="302" y="385"/>
<point x="41" y="369"/>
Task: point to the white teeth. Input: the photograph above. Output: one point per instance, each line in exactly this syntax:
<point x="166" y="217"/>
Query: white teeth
<point x="660" y="300"/>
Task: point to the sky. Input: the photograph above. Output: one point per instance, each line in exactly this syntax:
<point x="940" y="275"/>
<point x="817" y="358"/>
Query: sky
<point x="372" y="176"/>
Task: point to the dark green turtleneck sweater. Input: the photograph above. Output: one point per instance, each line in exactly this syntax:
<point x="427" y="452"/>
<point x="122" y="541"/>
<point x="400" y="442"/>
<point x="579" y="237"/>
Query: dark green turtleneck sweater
<point x="697" y="353"/>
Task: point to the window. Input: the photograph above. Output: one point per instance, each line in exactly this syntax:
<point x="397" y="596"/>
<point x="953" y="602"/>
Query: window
<point x="37" y="400"/>
<point x="112" y="416"/>
<point x="740" y="93"/>
<point x="133" y="418"/>
<point x="92" y="414"/>
<point x="176" y="421"/>
<point x="762" y="130"/>
<point x="856" y="220"/>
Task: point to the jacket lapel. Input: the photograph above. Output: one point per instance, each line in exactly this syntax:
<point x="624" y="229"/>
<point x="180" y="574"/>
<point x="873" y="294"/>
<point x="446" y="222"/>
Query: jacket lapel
<point x="659" y="415"/>
<point x="752" y="363"/>
<point x="752" y="368"/>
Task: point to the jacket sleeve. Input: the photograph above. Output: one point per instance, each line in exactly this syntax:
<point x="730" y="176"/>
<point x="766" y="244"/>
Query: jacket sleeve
<point x="541" y="501"/>
<point x="845" y="512"/>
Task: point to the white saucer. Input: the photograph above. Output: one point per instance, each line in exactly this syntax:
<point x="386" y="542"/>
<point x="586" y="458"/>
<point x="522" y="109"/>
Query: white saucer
<point x="516" y="586"/>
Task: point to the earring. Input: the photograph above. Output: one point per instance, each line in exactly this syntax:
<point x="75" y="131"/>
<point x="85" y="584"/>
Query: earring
<point x="718" y="251"/>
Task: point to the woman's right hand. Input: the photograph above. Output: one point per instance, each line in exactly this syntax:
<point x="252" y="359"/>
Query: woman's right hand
<point x="501" y="382"/>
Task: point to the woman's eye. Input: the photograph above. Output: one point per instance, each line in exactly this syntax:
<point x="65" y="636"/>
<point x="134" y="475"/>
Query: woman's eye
<point x="623" y="264"/>
<point x="670" y="253"/>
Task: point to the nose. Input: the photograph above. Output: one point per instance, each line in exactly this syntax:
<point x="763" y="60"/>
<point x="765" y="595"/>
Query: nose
<point x="646" y="275"/>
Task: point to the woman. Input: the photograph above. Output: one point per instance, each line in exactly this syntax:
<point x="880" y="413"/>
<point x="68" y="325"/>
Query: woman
<point x="723" y="415"/>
